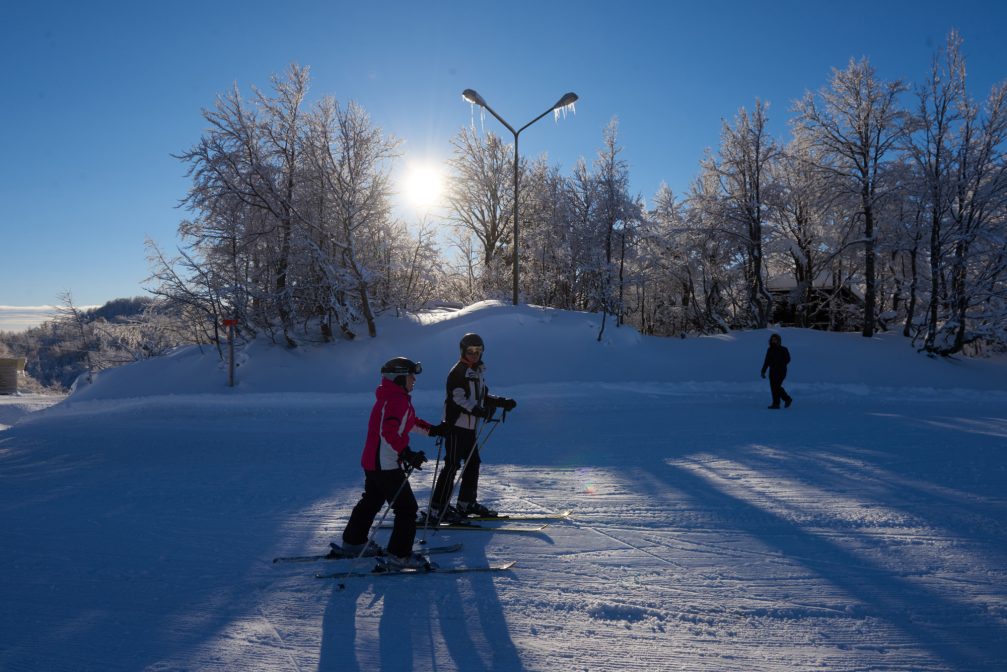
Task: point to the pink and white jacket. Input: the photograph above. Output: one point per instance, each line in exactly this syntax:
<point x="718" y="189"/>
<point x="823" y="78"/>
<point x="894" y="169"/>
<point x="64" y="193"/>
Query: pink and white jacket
<point x="392" y="418"/>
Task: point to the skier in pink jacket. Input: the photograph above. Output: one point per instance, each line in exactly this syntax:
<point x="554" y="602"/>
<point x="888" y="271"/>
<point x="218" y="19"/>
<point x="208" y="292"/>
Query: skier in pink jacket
<point x="386" y="455"/>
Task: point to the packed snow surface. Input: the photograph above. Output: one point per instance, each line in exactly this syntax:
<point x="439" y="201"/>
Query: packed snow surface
<point x="865" y="528"/>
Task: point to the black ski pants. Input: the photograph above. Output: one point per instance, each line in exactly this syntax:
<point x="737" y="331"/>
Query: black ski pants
<point x="380" y="487"/>
<point x="459" y="446"/>
<point x="776" y="388"/>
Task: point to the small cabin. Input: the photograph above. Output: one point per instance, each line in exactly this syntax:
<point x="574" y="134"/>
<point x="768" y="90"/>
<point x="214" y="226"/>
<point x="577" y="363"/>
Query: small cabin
<point x="11" y="370"/>
<point x="825" y="304"/>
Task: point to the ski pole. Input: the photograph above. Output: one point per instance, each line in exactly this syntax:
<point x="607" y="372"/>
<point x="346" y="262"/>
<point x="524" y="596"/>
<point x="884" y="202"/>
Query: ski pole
<point x="433" y="490"/>
<point x="479" y="443"/>
<point x="374" y="528"/>
<point x="430" y="502"/>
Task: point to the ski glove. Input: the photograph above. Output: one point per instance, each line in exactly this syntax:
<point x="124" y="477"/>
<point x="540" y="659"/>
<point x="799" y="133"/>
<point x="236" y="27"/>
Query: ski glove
<point x="411" y="459"/>
<point x="480" y="412"/>
<point x="500" y="402"/>
<point x="438" y="430"/>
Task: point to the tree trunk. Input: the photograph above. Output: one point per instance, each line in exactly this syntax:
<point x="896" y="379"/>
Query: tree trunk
<point x="935" y="276"/>
<point x="911" y="303"/>
<point x="870" y="290"/>
<point x="960" y="298"/>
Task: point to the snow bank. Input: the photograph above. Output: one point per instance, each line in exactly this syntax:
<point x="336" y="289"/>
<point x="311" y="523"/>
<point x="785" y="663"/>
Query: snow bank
<point x="529" y="345"/>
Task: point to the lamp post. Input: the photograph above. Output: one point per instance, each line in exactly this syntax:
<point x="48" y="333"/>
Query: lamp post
<point x="471" y="96"/>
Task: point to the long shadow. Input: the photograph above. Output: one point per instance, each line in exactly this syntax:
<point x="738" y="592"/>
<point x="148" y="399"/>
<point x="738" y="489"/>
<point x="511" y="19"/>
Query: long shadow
<point x="963" y="638"/>
<point x="474" y="631"/>
<point x="466" y="634"/>
<point x="946" y="500"/>
<point x="339" y="624"/>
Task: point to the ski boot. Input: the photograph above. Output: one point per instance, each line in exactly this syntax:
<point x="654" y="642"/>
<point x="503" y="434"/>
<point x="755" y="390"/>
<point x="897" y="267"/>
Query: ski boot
<point x="476" y="510"/>
<point x="367" y="550"/>
<point x="437" y="517"/>
<point x="411" y="562"/>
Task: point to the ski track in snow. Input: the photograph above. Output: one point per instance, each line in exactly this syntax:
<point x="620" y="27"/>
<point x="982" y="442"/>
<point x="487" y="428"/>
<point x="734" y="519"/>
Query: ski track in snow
<point x="863" y="529"/>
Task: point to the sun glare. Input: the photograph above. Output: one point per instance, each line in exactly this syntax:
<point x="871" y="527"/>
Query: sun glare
<point x="423" y="185"/>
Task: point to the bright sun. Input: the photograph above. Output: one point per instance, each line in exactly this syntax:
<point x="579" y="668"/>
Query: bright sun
<point x="423" y="185"/>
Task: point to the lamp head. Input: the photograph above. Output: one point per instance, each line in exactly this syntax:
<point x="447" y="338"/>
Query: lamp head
<point x="472" y="96"/>
<point x="568" y="99"/>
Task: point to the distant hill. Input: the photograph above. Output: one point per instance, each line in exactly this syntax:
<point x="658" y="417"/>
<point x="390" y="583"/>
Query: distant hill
<point x="118" y="309"/>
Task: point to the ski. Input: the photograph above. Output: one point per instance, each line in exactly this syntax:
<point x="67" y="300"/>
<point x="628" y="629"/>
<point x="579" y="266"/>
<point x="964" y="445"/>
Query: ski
<point x="476" y="527"/>
<point x="552" y="517"/>
<point x="336" y="554"/>
<point x="384" y="570"/>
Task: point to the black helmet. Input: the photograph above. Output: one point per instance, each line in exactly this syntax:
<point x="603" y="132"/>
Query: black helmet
<point x="400" y="366"/>
<point x="471" y="341"/>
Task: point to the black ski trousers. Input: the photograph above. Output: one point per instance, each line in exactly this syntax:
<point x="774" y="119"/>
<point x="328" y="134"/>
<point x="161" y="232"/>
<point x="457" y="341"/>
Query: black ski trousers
<point x="459" y="446"/>
<point x="380" y="487"/>
<point x="776" y="388"/>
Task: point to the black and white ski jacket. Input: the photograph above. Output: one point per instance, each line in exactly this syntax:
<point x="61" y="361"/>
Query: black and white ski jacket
<point x="466" y="389"/>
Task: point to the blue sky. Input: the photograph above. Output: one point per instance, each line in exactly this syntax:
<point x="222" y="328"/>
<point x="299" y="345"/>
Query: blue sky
<point x="97" y="96"/>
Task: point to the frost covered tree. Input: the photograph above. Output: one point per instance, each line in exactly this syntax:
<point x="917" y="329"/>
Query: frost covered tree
<point x="938" y="117"/>
<point x="798" y="208"/>
<point x="290" y="222"/>
<point x="249" y="160"/>
<point x="978" y="224"/>
<point x="958" y="146"/>
<point x="903" y="246"/>
<point x="617" y="215"/>
<point x="408" y="271"/>
<point x="480" y="193"/>
<point x="83" y="339"/>
<point x="857" y="124"/>
<point x="711" y="259"/>
<point x="743" y="167"/>
<point x="192" y="289"/>
<point x="546" y="242"/>
<point x="585" y="272"/>
<point x="352" y="159"/>
<point x="665" y="292"/>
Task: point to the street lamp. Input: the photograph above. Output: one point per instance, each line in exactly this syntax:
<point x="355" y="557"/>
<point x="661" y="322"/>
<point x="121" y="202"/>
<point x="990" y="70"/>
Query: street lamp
<point x="474" y="98"/>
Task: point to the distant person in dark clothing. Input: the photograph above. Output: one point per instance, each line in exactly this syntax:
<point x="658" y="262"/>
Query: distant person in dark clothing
<point x="777" y="358"/>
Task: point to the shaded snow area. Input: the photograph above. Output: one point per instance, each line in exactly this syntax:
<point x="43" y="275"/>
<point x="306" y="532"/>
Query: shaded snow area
<point x="865" y="528"/>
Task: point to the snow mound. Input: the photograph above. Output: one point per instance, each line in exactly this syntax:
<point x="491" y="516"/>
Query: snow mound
<point x="532" y="345"/>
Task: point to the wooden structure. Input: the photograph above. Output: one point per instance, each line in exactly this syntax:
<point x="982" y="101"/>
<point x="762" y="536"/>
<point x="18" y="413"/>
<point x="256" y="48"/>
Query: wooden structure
<point x="10" y="370"/>
<point x="823" y="304"/>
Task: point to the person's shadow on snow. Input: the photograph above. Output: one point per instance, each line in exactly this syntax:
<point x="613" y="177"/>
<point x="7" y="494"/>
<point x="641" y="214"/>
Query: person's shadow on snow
<point x="473" y="630"/>
<point x="338" y="650"/>
<point x="422" y="615"/>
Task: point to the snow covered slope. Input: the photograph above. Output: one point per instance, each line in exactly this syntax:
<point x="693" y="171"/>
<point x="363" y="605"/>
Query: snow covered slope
<point x="864" y="528"/>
